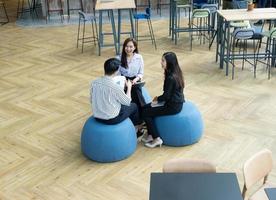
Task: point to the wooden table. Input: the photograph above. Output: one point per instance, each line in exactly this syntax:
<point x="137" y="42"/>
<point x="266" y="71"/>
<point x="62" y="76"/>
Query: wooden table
<point x="223" y="28"/>
<point x="271" y="193"/>
<point x="110" y="6"/>
<point x="194" y="186"/>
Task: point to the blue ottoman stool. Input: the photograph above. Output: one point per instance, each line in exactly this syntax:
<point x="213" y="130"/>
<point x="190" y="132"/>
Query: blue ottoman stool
<point x="181" y="129"/>
<point x="146" y="95"/>
<point x="108" y="143"/>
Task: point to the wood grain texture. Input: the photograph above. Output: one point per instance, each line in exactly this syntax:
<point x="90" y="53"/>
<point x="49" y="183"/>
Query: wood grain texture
<point x="44" y="102"/>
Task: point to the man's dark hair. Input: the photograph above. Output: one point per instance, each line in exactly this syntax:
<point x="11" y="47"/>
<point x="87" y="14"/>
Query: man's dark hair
<point x="111" y="65"/>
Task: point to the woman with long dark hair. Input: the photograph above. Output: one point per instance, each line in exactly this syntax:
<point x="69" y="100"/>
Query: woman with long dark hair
<point x="132" y="67"/>
<point x="132" y="63"/>
<point x="169" y="103"/>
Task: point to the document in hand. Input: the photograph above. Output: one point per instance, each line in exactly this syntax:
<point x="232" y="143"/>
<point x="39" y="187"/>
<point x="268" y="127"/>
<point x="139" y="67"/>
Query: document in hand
<point x="161" y="103"/>
<point x="120" y="80"/>
<point x="139" y="83"/>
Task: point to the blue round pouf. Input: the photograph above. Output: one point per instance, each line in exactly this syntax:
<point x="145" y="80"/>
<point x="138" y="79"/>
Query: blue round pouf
<point x="183" y="128"/>
<point x="146" y="95"/>
<point x="108" y="143"/>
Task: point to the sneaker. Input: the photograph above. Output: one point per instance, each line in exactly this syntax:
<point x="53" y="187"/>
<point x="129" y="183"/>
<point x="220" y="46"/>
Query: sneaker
<point x="156" y="142"/>
<point x="147" y="138"/>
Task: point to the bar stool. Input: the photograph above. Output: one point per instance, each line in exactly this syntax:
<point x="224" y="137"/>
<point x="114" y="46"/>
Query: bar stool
<point x="24" y="7"/>
<point x="242" y="35"/>
<point x="144" y="16"/>
<point x="270" y="51"/>
<point x="83" y="18"/>
<point x="2" y="6"/>
<point x="58" y="9"/>
<point x="202" y="25"/>
<point x="184" y="5"/>
<point x="159" y="5"/>
<point x="73" y="9"/>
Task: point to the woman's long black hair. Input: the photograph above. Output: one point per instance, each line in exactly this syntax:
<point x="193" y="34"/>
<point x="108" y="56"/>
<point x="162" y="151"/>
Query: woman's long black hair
<point x="124" y="55"/>
<point x="173" y="68"/>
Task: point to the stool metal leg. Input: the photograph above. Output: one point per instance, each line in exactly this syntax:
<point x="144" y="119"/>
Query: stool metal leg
<point x="83" y="32"/>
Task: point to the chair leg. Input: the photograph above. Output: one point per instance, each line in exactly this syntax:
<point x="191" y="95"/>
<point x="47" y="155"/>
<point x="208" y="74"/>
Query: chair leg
<point x="152" y="33"/>
<point x="78" y="33"/>
<point x="233" y="57"/>
<point x="83" y="36"/>
<point x="98" y="40"/>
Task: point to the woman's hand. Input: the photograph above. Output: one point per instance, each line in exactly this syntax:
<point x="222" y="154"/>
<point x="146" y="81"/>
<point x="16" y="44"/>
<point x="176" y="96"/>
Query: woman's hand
<point x="128" y="84"/>
<point x="134" y="81"/>
<point x="155" y="100"/>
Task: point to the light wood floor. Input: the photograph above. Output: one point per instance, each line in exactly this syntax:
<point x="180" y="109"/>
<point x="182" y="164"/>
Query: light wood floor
<point x="44" y="102"/>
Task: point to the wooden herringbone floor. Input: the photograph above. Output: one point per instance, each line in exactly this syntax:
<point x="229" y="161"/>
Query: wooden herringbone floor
<point x="44" y="101"/>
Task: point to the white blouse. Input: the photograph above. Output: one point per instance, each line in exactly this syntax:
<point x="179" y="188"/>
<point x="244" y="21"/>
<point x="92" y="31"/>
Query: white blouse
<point x="135" y="67"/>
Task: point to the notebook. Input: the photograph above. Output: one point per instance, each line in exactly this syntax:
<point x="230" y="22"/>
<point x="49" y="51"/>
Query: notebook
<point x="139" y="83"/>
<point x="161" y="103"/>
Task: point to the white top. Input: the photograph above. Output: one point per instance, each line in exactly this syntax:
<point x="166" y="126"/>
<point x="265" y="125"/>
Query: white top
<point x="106" y="98"/>
<point x="135" y="67"/>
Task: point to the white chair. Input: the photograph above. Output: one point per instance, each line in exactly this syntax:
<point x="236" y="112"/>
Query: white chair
<point x="256" y="169"/>
<point x="188" y="165"/>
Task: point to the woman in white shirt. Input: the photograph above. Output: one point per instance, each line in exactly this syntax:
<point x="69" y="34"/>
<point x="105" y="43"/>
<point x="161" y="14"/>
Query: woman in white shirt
<point x="132" y="67"/>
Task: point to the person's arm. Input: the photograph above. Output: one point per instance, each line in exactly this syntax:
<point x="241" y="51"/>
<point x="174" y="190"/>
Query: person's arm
<point x="168" y="89"/>
<point x="122" y="97"/>
<point x="140" y="73"/>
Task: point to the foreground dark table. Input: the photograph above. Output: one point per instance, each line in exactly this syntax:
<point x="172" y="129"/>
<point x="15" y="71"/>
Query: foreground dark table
<point x="271" y="193"/>
<point x="194" y="186"/>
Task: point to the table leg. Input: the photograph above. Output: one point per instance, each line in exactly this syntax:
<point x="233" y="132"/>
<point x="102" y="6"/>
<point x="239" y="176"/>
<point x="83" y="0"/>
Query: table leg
<point x="114" y="30"/>
<point x="119" y="32"/>
<point x="222" y="42"/>
<point x="100" y="29"/>
<point x="131" y="23"/>
<point x="228" y="45"/>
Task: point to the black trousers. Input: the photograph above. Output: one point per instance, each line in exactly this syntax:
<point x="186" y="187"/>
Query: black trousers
<point x="137" y="96"/>
<point x="125" y="112"/>
<point x="148" y="113"/>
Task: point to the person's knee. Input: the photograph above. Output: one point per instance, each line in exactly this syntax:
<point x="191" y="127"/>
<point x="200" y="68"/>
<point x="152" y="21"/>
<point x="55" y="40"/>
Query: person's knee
<point x="134" y="107"/>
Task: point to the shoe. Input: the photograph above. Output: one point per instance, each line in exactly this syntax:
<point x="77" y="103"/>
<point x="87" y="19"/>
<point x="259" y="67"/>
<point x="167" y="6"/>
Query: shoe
<point x="156" y="142"/>
<point x="147" y="138"/>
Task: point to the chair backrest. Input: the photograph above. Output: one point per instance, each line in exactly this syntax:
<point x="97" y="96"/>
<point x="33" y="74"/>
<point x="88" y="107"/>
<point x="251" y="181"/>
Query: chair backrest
<point x="243" y="33"/>
<point x="239" y="4"/>
<point x="211" y="7"/>
<point x="257" y="167"/>
<point x="197" y="13"/>
<point x="81" y="14"/>
<point x="189" y="166"/>
<point x="148" y="11"/>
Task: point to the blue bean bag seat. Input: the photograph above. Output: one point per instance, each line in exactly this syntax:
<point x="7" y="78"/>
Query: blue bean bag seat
<point x="108" y="143"/>
<point x="146" y="95"/>
<point x="183" y="128"/>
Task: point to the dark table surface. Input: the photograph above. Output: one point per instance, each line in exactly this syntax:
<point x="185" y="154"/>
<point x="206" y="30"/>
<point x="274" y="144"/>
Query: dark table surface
<point x="271" y="193"/>
<point x="194" y="186"/>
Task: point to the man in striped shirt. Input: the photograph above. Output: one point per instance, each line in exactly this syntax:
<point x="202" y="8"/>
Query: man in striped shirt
<point x="110" y="104"/>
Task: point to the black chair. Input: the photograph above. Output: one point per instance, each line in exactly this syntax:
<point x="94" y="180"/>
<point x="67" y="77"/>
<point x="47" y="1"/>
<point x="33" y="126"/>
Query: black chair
<point x="69" y="9"/>
<point x="2" y="7"/>
<point x="83" y="18"/>
<point x="159" y="5"/>
<point x="26" y="6"/>
<point x="51" y="9"/>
